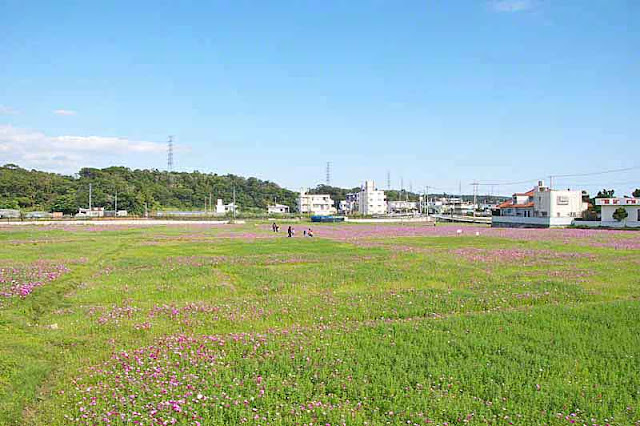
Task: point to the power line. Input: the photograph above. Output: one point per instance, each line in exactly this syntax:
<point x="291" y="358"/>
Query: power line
<point x="560" y="176"/>
<point x="599" y="173"/>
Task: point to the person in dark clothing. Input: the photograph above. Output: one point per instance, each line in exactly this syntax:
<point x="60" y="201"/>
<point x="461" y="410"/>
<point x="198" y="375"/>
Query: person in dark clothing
<point x="274" y="227"/>
<point x="290" y="232"/>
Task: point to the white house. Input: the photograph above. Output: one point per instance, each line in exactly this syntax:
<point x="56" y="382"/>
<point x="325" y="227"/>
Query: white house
<point x="9" y="213"/>
<point x="92" y="212"/>
<point x="318" y="204"/>
<point x="610" y="205"/>
<point x="402" y="206"/>
<point x="371" y="200"/>
<point x="222" y="209"/>
<point x="278" y="209"/>
<point x="540" y="207"/>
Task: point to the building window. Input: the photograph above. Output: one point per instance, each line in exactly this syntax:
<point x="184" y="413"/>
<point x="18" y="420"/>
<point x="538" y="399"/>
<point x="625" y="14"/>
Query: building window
<point x="562" y="200"/>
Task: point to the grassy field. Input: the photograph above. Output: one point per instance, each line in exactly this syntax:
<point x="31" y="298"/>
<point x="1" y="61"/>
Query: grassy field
<point x="360" y="324"/>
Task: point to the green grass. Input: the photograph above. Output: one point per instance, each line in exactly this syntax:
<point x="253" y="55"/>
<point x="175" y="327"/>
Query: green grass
<point x="378" y="330"/>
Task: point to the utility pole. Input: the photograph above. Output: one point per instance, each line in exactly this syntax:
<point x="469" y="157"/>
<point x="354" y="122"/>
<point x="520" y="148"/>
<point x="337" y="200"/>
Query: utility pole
<point x="90" y="197"/>
<point x="211" y="202"/>
<point x="170" y="160"/>
<point x="115" y="205"/>
<point x="426" y="199"/>
<point x="475" y="197"/>
<point x="550" y="182"/>
<point x="388" y="180"/>
<point x="234" y="204"/>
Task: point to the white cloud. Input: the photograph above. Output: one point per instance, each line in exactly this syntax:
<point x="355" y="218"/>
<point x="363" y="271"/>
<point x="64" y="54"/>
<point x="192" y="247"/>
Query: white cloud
<point x="64" y="112"/>
<point x="511" y="5"/>
<point x="7" y="110"/>
<point x="33" y="149"/>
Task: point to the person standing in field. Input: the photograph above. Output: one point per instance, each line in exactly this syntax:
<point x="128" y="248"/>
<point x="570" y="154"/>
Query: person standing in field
<point x="290" y="232"/>
<point x="310" y="232"/>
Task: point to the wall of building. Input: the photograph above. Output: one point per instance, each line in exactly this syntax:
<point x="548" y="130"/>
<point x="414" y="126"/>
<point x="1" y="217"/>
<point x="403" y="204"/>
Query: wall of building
<point x="632" y="212"/>
<point x="530" y="222"/>
<point x="558" y="203"/>
<point x="606" y="224"/>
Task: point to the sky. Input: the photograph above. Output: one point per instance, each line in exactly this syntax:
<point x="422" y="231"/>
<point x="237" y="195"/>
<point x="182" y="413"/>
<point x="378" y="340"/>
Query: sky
<point x="433" y="93"/>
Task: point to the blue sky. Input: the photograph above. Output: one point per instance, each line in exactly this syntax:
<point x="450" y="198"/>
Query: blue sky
<point x="436" y="93"/>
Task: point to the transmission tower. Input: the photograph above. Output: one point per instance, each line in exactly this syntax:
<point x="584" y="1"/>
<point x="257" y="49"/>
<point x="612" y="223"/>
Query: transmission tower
<point x="328" y="176"/>
<point x="170" y="154"/>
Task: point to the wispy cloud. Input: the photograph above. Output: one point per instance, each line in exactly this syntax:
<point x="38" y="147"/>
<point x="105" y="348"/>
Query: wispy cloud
<point x="33" y="149"/>
<point x="7" y="110"/>
<point x="64" y="112"/>
<point x="511" y="5"/>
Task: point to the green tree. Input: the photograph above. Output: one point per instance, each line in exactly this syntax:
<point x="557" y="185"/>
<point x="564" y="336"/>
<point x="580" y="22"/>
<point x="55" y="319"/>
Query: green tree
<point x="66" y="204"/>
<point x="620" y="214"/>
<point x="636" y="193"/>
<point x="605" y="193"/>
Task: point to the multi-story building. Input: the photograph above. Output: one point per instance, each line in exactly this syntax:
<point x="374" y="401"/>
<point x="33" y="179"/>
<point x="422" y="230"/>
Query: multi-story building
<point x="371" y="200"/>
<point x="318" y="204"/>
<point x="350" y="204"/>
<point x="540" y="207"/>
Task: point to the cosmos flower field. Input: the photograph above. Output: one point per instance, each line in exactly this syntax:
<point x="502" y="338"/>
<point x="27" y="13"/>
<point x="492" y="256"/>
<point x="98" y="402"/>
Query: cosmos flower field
<point x="361" y="324"/>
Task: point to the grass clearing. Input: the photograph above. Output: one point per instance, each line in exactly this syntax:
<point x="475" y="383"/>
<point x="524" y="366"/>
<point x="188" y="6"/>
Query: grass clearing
<point x="360" y="324"/>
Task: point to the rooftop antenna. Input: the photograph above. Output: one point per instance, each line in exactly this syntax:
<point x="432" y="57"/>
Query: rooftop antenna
<point x="328" y="173"/>
<point x="170" y="154"/>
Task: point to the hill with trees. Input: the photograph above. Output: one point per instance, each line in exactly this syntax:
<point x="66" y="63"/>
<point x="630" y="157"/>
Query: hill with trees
<point x="37" y="190"/>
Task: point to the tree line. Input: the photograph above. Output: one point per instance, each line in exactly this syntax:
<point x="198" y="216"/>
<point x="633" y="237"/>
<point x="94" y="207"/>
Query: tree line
<point x="136" y="190"/>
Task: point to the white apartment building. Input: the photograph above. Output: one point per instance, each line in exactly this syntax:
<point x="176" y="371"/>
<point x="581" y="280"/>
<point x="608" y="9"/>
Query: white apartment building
<point x="540" y="207"/>
<point x="350" y="204"/>
<point x="317" y="204"/>
<point x="610" y="205"/>
<point x="371" y="201"/>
